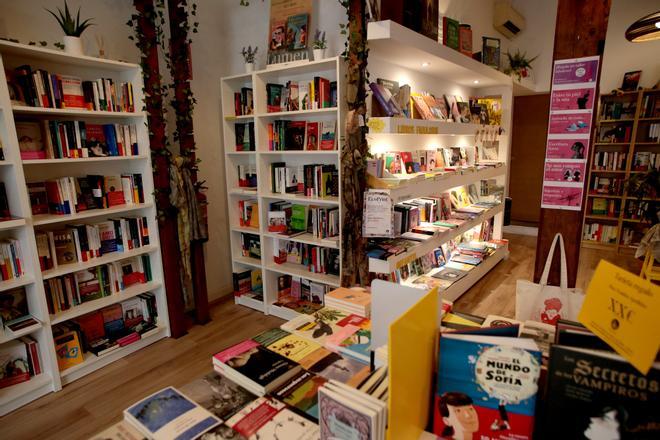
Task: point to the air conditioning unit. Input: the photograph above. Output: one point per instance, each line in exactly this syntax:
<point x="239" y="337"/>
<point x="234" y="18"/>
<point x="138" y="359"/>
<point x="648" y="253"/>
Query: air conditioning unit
<point x="507" y="20"/>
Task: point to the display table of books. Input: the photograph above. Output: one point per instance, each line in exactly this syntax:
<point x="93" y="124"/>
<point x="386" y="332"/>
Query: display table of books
<point x="488" y="377"/>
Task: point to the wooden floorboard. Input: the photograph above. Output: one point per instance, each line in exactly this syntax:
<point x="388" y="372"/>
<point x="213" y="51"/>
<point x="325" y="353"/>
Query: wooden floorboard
<point x="92" y="403"/>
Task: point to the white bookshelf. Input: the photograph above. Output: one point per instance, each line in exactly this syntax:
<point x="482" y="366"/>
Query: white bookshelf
<point x="400" y="54"/>
<point x="15" y="173"/>
<point x="331" y="69"/>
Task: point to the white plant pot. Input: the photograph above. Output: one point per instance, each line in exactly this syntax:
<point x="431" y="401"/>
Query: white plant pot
<point x="73" y="45"/>
<point x="319" y="54"/>
<point x="249" y="67"/>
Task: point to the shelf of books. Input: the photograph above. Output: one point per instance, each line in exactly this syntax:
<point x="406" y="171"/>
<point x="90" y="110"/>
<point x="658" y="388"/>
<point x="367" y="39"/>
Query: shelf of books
<point x="82" y="285"/>
<point x="626" y="148"/>
<point x="438" y="173"/>
<point x="282" y="125"/>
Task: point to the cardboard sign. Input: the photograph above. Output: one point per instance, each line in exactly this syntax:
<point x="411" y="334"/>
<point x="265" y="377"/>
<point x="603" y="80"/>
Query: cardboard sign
<point x="621" y="308"/>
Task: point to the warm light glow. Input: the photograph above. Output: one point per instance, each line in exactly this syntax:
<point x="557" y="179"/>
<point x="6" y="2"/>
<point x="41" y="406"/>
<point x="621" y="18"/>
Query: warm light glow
<point x="476" y="81"/>
<point x="426" y="64"/>
<point x="657" y="24"/>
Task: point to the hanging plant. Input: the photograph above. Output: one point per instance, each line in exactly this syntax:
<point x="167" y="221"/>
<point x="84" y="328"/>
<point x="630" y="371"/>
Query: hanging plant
<point x="519" y="65"/>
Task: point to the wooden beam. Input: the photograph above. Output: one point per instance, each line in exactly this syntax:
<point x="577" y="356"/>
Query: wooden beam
<point x="580" y="32"/>
<point x="147" y="41"/>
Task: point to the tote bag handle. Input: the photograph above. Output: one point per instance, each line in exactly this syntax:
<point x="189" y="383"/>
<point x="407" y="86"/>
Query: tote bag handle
<point x="563" y="283"/>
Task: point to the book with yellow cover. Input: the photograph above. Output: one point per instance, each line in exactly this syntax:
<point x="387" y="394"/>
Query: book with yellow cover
<point x="294" y="347"/>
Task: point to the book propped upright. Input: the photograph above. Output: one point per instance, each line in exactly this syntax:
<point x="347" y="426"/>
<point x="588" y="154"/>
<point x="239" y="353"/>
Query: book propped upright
<point x="168" y="414"/>
<point x="486" y="387"/>
<point x="599" y="395"/>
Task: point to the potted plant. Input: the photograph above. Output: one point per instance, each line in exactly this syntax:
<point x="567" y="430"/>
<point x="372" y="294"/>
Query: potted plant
<point x="645" y="187"/>
<point x="519" y="65"/>
<point x="319" y="45"/>
<point x="72" y="29"/>
<point x="248" y="56"/>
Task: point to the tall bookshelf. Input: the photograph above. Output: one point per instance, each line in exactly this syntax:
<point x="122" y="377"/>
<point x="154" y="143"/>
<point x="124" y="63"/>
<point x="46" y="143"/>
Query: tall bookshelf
<point x="402" y="55"/>
<point x="15" y="172"/>
<point x="623" y="127"/>
<point x="261" y="159"/>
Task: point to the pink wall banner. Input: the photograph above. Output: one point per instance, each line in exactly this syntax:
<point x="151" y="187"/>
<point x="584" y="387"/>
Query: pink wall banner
<point x="579" y="70"/>
<point x="572" y="101"/>
<point x="570" y="148"/>
<point x="576" y="123"/>
<point x="564" y="171"/>
<point x="561" y="197"/>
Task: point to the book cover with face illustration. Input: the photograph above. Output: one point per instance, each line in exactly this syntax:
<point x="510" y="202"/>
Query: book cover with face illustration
<point x="486" y="387"/>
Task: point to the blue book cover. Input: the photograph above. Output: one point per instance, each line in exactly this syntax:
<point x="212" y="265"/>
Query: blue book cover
<point x="168" y="414"/>
<point x="111" y="139"/>
<point x="486" y="387"/>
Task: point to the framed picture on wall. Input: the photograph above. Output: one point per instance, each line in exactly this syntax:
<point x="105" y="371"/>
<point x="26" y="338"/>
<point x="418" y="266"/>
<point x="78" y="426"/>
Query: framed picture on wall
<point x="631" y="80"/>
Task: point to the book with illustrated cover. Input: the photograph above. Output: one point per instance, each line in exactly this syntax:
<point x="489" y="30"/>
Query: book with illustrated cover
<point x="486" y="387"/>
<point x="14" y="366"/>
<point x="339" y="414"/>
<point x="449" y="274"/>
<point x="450" y="32"/>
<point x="312" y="136"/>
<point x="168" y="414"/>
<point x="293" y="347"/>
<point x="219" y="395"/>
<point x="13" y="304"/>
<point x="328" y="135"/>
<point x="302" y="392"/>
<point x="31" y="139"/>
<point x="599" y="395"/>
<point x="269" y="419"/>
<point x="255" y="368"/>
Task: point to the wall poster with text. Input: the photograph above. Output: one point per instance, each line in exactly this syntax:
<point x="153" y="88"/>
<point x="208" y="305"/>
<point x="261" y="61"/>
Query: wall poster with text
<point x="572" y="101"/>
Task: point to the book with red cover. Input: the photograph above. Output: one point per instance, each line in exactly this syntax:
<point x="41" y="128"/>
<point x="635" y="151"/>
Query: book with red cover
<point x="72" y="92"/>
<point x="128" y="339"/>
<point x="114" y="192"/>
<point x="312" y="141"/>
<point x="92" y="328"/>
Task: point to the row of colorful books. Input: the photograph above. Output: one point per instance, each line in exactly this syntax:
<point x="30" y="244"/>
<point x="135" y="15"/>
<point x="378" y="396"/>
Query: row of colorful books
<point x="69" y="195"/>
<point x="291" y="219"/>
<point x="103" y="331"/>
<point x="11" y="259"/>
<point x="85" y="242"/>
<point x="21" y="361"/>
<point x="248" y="210"/>
<point x="67" y="291"/>
<point x="39" y="88"/>
<point x="243" y="102"/>
<point x="301" y="95"/>
<point x="302" y="135"/>
<point x="609" y="160"/>
<point x="50" y="139"/>
<point x="244" y="134"/>
<point x="247" y="176"/>
<point x="603" y="206"/>
<point x="621" y="132"/>
<point x="248" y="282"/>
<point x="311" y="180"/>
<point x="567" y="373"/>
<point x="300" y="294"/>
<point x="405" y="162"/>
<point x="606" y="185"/>
<point x="645" y="161"/>
<point x="316" y="259"/>
<point x="600" y="233"/>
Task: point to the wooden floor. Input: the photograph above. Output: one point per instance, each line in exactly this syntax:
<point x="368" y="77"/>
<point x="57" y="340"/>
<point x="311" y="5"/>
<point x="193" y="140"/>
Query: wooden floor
<point x="96" y="401"/>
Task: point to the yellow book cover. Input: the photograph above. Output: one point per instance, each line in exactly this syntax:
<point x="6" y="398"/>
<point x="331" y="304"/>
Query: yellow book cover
<point x="294" y="347"/>
<point x="455" y="319"/>
<point x="68" y="351"/>
<point x="621" y="308"/>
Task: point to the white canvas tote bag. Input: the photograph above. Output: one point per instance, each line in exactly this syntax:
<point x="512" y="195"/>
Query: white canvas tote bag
<point x="543" y="303"/>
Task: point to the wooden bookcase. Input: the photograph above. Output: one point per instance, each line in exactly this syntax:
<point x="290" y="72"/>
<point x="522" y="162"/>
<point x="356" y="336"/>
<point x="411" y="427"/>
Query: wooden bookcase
<point x="15" y="172"/>
<point x="261" y="159"/>
<point x="636" y="123"/>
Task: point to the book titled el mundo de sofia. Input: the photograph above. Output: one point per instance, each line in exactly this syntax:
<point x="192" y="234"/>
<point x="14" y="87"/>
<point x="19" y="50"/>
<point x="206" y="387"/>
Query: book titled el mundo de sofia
<point x="486" y="388"/>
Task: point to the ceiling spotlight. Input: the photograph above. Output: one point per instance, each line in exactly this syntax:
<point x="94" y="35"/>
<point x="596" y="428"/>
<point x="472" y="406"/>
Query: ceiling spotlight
<point x="476" y="81"/>
<point x="426" y="64"/>
<point x="645" y="29"/>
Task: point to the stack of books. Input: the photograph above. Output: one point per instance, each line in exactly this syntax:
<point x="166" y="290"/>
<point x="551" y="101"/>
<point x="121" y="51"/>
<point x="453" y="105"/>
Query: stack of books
<point x="357" y="301"/>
